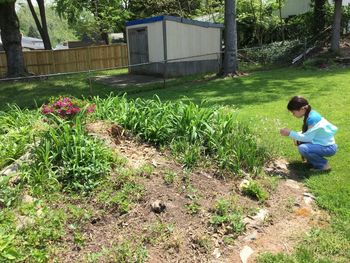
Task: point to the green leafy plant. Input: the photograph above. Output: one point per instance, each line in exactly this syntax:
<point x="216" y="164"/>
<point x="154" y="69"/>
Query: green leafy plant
<point x="8" y="251"/>
<point x="255" y="190"/>
<point x="193" y="208"/>
<point x="227" y="216"/>
<point x="77" y="160"/>
<point x="169" y="177"/>
<point x="192" y="131"/>
<point x="17" y="128"/>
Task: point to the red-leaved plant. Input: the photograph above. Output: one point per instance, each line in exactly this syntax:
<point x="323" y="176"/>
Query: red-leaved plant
<point x="66" y="108"/>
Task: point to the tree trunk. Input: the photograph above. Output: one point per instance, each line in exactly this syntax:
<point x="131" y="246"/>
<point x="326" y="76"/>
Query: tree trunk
<point x="104" y="36"/>
<point x="42" y="27"/>
<point x="319" y="16"/>
<point x="11" y="40"/>
<point x="45" y="36"/>
<point x="336" y="26"/>
<point x="281" y="19"/>
<point x="230" y="55"/>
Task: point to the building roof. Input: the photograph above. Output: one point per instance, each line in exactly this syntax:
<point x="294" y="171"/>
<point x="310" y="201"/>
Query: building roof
<point x="173" y="18"/>
<point x="31" y="43"/>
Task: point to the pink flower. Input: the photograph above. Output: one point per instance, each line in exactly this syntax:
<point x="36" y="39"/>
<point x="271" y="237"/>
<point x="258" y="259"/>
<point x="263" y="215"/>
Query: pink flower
<point x="91" y="108"/>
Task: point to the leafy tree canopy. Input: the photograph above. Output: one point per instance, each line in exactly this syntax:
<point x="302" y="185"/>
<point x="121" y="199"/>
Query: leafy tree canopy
<point x="58" y="28"/>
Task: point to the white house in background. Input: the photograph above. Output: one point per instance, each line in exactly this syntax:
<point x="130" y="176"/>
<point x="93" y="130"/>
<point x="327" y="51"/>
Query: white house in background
<point x="32" y="43"/>
<point x="29" y="43"/>
<point x="298" y="7"/>
<point x="187" y="46"/>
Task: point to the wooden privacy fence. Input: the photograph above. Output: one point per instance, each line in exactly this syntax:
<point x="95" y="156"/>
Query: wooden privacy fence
<point x="42" y="62"/>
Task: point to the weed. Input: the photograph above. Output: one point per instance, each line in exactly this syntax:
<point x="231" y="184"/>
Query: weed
<point x="8" y="250"/>
<point x="175" y="241"/>
<point x="203" y="242"/>
<point x="8" y="194"/>
<point x="16" y="133"/>
<point x="145" y="170"/>
<point x="79" y="238"/>
<point x="169" y="177"/>
<point x="124" y="252"/>
<point x="157" y="232"/>
<point x="122" y="199"/>
<point x="254" y="190"/>
<point x="77" y="160"/>
<point x="290" y="204"/>
<point x="227" y="216"/>
<point x="193" y="208"/>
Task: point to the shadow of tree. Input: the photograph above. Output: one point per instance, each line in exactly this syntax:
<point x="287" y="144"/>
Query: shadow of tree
<point x="255" y="89"/>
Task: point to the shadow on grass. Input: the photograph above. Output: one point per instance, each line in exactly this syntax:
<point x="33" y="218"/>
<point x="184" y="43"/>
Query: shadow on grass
<point x="300" y="171"/>
<point x="257" y="88"/>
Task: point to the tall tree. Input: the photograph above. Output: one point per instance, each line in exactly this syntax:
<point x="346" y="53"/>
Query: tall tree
<point x="108" y="14"/>
<point x="183" y="8"/>
<point x="41" y="26"/>
<point x="336" y="26"/>
<point x="319" y="16"/>
<point x="230" y="55"/>
<point x="11" y="39"/>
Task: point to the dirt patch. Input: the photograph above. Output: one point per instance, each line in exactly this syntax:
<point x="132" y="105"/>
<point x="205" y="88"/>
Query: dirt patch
<point x="176" y="235"/>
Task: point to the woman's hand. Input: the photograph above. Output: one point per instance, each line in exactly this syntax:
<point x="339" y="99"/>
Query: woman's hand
<point x="285" y="132"/>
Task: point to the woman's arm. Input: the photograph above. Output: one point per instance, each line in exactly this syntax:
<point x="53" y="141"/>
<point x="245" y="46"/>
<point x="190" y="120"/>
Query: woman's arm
<point x="308" y="136"/>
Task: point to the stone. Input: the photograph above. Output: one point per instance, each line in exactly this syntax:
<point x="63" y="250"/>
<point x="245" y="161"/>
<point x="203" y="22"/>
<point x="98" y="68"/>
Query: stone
<point x="23" y="222"/>
<point x="15" y="180"/>
<point x="261" y="216"/>
<point x="292" y="184"/>
<point x="11" y="169"/>
<point x="243" y="184"/>
<point x="28" y="199"/>
<point x="245" y="253"/>
<point x="252" y="236"/>
<point x="216" y="253"/>
<point x="158" y="206"/>
<point x="309" y="195"/>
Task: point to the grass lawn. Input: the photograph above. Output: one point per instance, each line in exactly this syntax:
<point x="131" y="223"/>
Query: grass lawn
<point x="261" y="99"/>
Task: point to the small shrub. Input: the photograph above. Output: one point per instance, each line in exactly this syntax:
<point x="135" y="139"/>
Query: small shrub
<point x="228" y="217"/>
<point x="254" y="190"/>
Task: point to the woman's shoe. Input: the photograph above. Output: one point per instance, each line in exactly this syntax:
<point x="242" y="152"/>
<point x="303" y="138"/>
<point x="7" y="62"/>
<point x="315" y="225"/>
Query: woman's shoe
<point x="325" y="168"/>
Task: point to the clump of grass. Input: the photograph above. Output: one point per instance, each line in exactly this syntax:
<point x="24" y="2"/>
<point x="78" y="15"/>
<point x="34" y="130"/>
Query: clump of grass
<point x="157" y="232"/>
<point x="121" y="252"/>
<point x="255" y="190"/>
<point x="193" y="208"/>
<point x="169" y="177"/>
<point x="191" y="130"/>
<point x="202" y="242"/>
<point x="76" y="160"/>
<point x="227" y="216"/>
<point x="17" y="128"/>
<point x="120" y="192"/>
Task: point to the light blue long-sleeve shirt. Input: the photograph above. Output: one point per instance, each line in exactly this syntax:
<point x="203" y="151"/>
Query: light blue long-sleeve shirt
<point x="322" y="133"/>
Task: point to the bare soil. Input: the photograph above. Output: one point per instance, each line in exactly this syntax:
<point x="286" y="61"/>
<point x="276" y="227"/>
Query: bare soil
<point x="290" y="213"/>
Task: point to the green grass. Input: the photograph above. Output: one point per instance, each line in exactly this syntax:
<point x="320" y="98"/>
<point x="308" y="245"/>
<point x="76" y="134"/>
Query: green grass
<point x="260" y="99"/>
